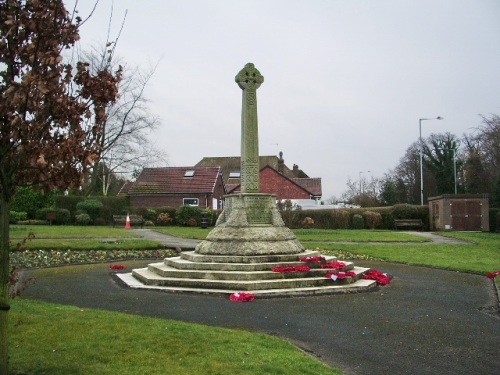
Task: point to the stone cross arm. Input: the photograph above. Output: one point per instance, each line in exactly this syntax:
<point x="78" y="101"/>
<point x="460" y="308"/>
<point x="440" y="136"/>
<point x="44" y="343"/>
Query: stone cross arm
<point x="249" y="77"/>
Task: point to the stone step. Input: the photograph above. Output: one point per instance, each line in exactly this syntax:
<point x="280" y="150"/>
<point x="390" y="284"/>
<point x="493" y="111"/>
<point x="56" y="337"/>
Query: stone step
<point x="267" y="273"/>
<point x="360" y="285"/>
<point x="180" y="263"/>
<point x="195" y="257"/>
<point x="148" y="277"/>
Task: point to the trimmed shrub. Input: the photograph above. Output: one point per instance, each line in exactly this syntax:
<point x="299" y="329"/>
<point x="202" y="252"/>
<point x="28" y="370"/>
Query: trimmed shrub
<point x="149" y="223"/>
<point x="92" y="207"/>
<point x="17" y="216"/>
<point x="373" y="220"/>
<point x="164" y="219"/>
<point x="184" y="213"/>
<point x="358" y="222"/>
<point x="62" y="216"/>
<point x="83" y="219"/>
<point x="150" y="214"/>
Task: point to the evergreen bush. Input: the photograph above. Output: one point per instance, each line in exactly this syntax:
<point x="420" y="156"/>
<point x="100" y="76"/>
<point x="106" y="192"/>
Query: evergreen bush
<point x="358" y="222"/>
<point x="184" y="213"/>
<point x="83" y="219"/>
<point x="62" y="216"/>
<point x="17" y="216"/>
<point x="92" y="207"/>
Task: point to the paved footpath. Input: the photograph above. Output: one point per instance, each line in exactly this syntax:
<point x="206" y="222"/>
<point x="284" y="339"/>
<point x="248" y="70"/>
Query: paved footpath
<point x="427" y="321"/>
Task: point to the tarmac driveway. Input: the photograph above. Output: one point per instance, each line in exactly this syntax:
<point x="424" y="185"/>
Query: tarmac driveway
<point x="427" y="321"/>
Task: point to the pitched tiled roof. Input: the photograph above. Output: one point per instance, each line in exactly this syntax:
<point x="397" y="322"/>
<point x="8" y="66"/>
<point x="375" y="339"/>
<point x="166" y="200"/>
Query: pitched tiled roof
<point x="125" y="188"/>
<point x="171" y="180"/>
<point x="312" y="185"/>
<point x="233" y="164"/>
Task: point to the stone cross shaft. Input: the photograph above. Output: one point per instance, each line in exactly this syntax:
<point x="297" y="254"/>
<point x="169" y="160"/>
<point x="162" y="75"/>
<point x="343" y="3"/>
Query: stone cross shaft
<point x="249" y="80"/>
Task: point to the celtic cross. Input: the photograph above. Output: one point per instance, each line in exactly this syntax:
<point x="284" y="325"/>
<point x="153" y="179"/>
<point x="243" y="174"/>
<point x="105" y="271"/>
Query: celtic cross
<point x="249" y="80"/>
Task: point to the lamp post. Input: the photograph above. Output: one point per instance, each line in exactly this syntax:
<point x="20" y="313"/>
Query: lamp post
<point x="421" y="166"/>
<point x="360" y="190"/>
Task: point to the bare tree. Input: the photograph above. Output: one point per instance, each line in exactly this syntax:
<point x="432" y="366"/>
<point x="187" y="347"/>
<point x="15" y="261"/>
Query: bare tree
<point x="51" y="115"/>
<point x="125" y="145"/>
<point x="482" y="165"/>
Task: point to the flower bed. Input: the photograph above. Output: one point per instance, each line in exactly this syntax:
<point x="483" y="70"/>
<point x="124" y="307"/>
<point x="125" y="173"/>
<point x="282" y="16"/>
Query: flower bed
<point x="44" y="258"/>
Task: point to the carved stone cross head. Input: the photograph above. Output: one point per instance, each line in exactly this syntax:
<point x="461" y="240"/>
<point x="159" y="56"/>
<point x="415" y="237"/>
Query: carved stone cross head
<point x="249" y="77"/>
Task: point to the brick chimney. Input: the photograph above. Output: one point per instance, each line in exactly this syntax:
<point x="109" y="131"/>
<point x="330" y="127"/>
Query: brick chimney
<point x="281" y="164"/>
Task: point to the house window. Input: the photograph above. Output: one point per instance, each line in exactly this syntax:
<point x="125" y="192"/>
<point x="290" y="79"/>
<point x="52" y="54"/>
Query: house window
<point x="189" y="174"/>
<point x="190" y="202"/>
<point x="234" y="174"/>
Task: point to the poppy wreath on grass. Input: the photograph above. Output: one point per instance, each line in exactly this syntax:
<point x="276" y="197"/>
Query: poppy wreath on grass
<point x="316" y="259"/>
<point x="334" y="265"/>
<point x="291" y="269"/>
<point x="379" y="277"/>
<point x="493" y="274"/>
<point x="340" y="275"/>
<point x="117" y="267"/>
<point x="241" y="297"/>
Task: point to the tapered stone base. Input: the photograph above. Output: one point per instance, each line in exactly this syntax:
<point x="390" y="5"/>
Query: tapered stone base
<point x="250" y="225"/>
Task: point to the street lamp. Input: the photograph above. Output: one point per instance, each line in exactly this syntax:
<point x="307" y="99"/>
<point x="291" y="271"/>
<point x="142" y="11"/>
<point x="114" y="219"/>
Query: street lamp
<point x="421" y="166"/>
<point x="360" y="180"/>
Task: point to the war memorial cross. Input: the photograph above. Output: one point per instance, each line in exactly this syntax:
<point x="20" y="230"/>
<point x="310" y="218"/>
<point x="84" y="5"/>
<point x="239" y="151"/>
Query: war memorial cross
<point x="249" y="80"/>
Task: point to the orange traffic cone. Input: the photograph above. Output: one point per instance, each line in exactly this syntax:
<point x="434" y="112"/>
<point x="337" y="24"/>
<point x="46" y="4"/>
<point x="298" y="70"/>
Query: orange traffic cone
<point x="127" y="222"/>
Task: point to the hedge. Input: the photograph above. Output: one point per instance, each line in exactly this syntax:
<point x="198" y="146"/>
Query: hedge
<point x="376" y="217"/>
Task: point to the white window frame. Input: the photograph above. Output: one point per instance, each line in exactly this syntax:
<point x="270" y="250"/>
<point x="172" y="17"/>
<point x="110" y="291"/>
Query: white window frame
<point x="190" y="204"/>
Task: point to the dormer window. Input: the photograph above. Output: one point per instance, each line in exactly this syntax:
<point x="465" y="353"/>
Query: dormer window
<point x="189" y="173"/>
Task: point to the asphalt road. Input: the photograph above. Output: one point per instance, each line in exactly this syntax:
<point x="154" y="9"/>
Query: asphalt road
<point x="427" y="321"/>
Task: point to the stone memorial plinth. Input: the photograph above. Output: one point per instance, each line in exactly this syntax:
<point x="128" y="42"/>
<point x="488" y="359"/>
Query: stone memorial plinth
<point x="250" y="225"/>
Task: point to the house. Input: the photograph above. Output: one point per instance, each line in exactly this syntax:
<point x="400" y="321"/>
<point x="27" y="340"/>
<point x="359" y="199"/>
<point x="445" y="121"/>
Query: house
<point x="275" y="177"/>
<point x="177" y="186"/>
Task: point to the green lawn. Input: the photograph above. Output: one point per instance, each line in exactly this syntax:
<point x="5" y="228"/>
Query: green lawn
<point x="56" y="339"/>
<point x="340" y="235"/>
<point x="69" y="231"/>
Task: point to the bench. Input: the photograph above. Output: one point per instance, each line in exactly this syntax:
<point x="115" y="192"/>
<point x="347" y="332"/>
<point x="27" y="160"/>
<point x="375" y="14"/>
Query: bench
<point x="409" y="224"/>
<point x="135" y="220"/>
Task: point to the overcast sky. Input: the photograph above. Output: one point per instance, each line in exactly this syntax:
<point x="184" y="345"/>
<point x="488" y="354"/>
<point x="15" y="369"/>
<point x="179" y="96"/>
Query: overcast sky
<point x="346" y="81"/>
